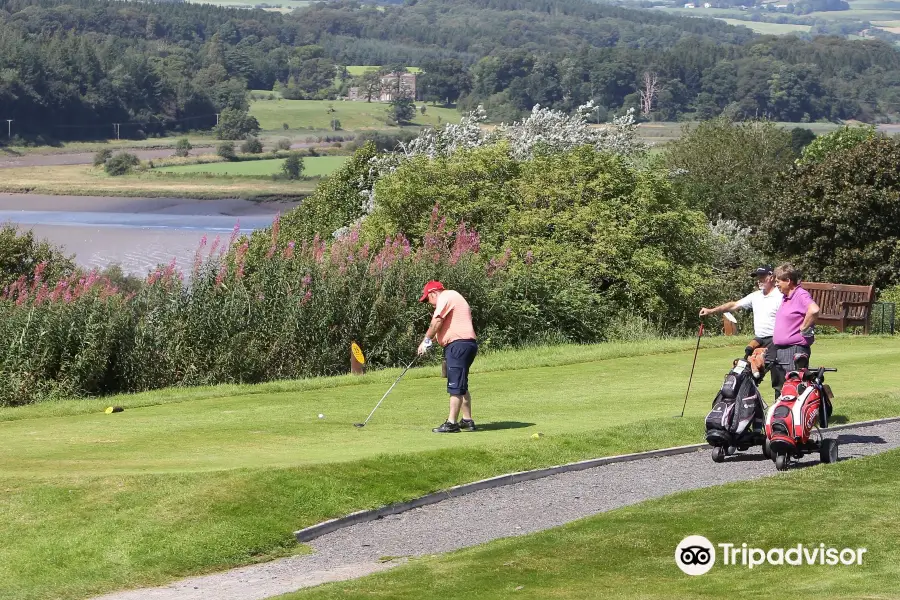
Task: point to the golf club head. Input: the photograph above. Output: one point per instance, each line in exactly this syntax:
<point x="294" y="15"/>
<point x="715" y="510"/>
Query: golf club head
<point x="359" y="424"/>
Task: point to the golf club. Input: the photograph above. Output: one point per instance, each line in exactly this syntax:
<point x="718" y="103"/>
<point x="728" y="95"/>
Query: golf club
<point x="696" y="350"/>
<point x="363" y="424"/>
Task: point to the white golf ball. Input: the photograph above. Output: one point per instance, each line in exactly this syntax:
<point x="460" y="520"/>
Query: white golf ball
<point x="321" y="416"/>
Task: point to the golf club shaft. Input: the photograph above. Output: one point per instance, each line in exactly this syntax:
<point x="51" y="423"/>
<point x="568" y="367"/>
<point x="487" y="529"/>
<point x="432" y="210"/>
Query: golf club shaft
<point x="389" y="390"/>
<point x="694" y="364"/>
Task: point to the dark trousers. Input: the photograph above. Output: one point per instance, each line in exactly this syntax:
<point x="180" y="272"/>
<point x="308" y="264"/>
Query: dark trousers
<point x="782" y="362"/>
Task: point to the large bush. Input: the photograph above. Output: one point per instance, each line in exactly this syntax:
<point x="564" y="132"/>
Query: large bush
<point x="726" y="169"/>
<point x="839" y="140"/>
<point x="839" y="217"/>
<point x="583" y="215"/>
<point x="293" y="316"/>
<point x="121" y="164"/>
<point x="236" y="124"/>
<point x="183" y="147"/>
<point x="21" y="253"/>
<point x="336" y="202"/>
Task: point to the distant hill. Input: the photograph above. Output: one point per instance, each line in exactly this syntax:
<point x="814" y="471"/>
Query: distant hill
<point x="71" y="69"/>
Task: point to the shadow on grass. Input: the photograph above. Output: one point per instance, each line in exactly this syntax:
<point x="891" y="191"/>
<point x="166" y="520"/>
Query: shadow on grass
<point x="497" y="425"/>
<point x="838" y="420"/>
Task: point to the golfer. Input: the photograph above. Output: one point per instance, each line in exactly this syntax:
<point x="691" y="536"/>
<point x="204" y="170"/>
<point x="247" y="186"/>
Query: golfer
<point x="764" y="303"/>
<point x="794" y="332"/>
<point x="452" y="327"/>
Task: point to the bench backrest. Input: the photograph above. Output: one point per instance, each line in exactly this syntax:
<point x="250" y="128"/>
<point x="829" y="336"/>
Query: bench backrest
<point x="830" y="295"/>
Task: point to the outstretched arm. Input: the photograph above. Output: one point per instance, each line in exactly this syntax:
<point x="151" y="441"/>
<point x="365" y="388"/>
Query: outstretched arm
<point x="727" y="307"/>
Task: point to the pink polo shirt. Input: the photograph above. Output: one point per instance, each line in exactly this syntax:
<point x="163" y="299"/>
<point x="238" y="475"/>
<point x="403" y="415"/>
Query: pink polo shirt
<point x="789" y="319"/>
<point x="457" y="318"/>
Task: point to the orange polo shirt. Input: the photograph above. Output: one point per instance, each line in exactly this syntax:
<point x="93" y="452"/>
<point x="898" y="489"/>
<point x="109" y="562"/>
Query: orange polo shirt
<point x="457" y="318"/>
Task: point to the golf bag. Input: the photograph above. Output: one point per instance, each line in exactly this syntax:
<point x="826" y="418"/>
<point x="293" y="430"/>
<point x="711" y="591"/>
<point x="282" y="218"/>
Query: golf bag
<point x="736" y="418"/>
<point x="805" y="401"/>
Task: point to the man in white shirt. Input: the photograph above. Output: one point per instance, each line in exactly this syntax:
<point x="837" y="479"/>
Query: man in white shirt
<point x="764" y="303"/>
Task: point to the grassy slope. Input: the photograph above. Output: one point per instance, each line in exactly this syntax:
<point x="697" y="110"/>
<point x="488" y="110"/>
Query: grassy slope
<point x="86" y="181"/>
<point x="313" y="166"/>
<point x="271" y="114"/>
<point x="628" y="553"/>
<point x="769" y="28"/>
<point x="97" y="502"/>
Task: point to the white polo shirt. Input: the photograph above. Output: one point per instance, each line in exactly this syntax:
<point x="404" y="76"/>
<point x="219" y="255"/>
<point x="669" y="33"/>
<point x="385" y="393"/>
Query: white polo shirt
<point x="764" y="308"/>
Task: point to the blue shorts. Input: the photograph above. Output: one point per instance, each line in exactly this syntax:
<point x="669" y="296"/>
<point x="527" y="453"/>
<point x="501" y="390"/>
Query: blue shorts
<point x="459" y="355"/>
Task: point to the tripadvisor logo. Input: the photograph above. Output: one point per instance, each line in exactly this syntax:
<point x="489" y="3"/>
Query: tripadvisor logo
<point x="696" y="555"/>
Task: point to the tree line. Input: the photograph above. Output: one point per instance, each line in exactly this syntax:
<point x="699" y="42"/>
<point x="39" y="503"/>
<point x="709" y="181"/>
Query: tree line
<point x="82" y="69"/>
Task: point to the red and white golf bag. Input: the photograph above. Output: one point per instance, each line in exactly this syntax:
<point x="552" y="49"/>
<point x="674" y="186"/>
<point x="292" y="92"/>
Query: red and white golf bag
<point x="804" y="402"/>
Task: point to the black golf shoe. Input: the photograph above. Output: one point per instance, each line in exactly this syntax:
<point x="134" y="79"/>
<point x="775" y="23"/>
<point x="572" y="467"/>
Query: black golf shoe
<point x="467" y="424"/>
<point x="447" y="427"/>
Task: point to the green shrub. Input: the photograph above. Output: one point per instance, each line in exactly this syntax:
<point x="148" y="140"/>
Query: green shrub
<point x="334" y="203"/>
<point x="183" y="147"/>
<point x="21" y="254"/>
<point x="235" y="124"/>
<point x="585" y="216"/>
<point x="293" y="166"/>
<point x="121" y="164"/>
<point x="838" y="141"/>
<point x="838" y="218"/>
<point x="226" y="151"/>
<point x="293" y="316"/>
<point x="283" y="144"/>
<point x="252" y="145"/>
<point x="102" y="156"/>
<point x="726" y="169"/>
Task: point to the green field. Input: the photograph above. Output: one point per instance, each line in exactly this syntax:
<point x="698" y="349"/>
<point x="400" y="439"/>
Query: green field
<point x="629" y="553"/>
<point x="357" y="70"/>
<point x="769" y="28"/>
<point x="96" y="502"/>
<point x="281" y="5"/>
<point x="299" y="114"/>
<point x="880" y="13"/>
<point x="313" y="166"/>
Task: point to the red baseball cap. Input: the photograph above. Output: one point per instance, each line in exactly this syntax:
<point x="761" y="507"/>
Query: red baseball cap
<point x="431" y="286"/>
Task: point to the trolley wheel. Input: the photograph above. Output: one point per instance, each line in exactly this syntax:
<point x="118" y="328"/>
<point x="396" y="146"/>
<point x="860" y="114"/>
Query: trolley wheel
<point x="781" y="462"/>
<point x="718" y="454"/>
<point x="828" y="453"/>
<point x="767" y="449"/>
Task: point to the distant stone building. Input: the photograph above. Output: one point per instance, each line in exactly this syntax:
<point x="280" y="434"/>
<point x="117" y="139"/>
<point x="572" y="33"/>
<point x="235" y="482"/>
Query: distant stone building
<point x="392" y="85"/>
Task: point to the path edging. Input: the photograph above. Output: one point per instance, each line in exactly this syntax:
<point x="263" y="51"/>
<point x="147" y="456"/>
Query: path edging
<point x="312" y="532"/>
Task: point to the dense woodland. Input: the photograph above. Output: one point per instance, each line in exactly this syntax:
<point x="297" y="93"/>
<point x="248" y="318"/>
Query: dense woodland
<point x="71" y="69"/>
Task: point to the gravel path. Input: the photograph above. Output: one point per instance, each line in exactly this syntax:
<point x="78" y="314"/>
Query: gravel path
<point x="491" y="514"/>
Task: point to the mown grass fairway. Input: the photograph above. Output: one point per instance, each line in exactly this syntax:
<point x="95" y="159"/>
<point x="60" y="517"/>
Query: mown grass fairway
<point x="193" y="480"/>
<point x="313" y="166"/>
<point x="299" y="114"/>
<point x="629" y="553"/>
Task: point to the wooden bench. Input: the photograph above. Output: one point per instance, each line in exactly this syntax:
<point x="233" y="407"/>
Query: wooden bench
<point x="842" y="305"/>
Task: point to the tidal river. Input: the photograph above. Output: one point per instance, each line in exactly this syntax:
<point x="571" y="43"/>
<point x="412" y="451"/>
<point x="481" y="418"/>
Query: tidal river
<point x="137" y="233"/>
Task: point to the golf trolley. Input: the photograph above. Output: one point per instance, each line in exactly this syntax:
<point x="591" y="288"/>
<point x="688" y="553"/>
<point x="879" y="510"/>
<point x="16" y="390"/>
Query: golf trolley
<point x="794" y="422"/>
<point x="736" y="421"/>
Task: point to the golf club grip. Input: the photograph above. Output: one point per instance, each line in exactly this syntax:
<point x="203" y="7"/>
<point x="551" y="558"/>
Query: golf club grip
<point x="828" y="370"/>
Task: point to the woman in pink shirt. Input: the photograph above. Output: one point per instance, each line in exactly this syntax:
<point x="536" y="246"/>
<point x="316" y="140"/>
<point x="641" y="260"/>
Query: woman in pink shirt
<point x="794" y="322"/>
<point x="452" y="327"/>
